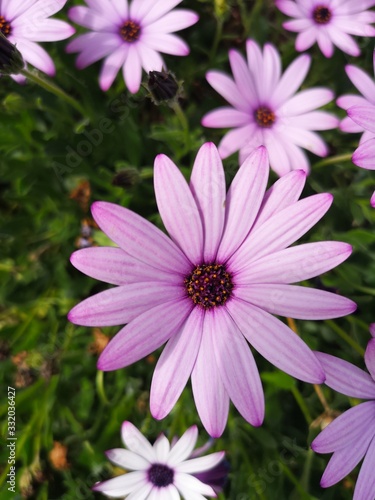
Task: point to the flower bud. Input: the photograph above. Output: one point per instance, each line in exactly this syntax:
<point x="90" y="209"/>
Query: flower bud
<point x="162" y="86"/>
<point x="11" y="60"/>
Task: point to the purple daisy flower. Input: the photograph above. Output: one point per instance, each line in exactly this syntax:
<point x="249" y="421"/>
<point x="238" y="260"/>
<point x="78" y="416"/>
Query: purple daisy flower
<point x="351" y="436"/>
<point x="329" y="23"/>
<point x="26" y="22"/>
<point x="366" y="86"/>
<point x="265" y="109"/>
<point x="129" y="36"/>
<point x="214" y="285"/>
<point x="160" y="471"/>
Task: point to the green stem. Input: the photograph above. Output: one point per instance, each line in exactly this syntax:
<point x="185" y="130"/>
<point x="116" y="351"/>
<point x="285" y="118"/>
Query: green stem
<point x="100" y="387"/>
<point x="334" y="159"/>
<point x="217" y="38"/>
<point x="53" y="88"/>
<point x="301" y="403"/>
<point x="183" y="121"/>
<point x="345" y="337"/>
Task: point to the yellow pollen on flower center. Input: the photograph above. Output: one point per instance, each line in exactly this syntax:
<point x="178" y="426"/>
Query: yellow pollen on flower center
<point x="130" y="31"/>
<point x="264" y="117"/>
<point x="209" y="285"/>
<point x="5" y="27"/>
<point x="322" y="14"/>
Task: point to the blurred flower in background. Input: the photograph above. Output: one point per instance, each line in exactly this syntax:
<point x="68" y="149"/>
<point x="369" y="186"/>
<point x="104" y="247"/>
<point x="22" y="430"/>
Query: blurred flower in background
<point x="351" y="436"/>
<point x="329" y="23"/>
<point x="214" y="285"/>
<point x="129" y="36"/>
<point x="266" y="110"/>
<point x="25" y="22"/>
<point x="159" y="471"/>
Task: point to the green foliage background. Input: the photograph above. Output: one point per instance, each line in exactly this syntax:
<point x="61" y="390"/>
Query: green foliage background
<point x="63" y="397"/>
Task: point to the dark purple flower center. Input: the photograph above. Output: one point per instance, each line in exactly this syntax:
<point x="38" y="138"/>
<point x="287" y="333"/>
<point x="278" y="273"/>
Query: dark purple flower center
<point x="5" y="27"/>
<point x="322" y="14"/>
<point x="209" y="285"/>
<point x="264" y="117"/>
<point x="160" y="475"/>
<point x="130" y="31"/>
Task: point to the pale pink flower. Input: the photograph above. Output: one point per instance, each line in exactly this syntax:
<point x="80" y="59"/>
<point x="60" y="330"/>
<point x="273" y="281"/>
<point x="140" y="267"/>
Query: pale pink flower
<point x="214" y="285"/>
<point x="129" y="37"/>
<point x="266" y="110"/>
<point x="351" y="436"/>
<point x="161" y="471"/>
<point x="26" y="22"/>
<point x="366" y="86"/>
<point x="329" y="23"/>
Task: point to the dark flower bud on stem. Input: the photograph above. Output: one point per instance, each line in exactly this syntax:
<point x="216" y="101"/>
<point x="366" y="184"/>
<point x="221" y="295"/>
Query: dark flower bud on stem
<point x="11" y="60"/>
<point x="162" y="86"/>
<point x="126" y="178"/>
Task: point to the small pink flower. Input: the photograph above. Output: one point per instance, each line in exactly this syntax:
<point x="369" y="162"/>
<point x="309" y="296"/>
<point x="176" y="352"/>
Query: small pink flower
<point x="266" y="110"/>
<point x="26" y="22"/>
<point x="161" y="471"/>
<point x="214" y="285"/>
<point x="129" y="37"/>
<point x="366" y="86"/>
<point x="329" y="23"/>
<point x="351" y="436"/>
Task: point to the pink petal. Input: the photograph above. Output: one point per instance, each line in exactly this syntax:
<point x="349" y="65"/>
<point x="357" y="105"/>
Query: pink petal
<point x="121" y="486"/>
<point x="257" y="70"/>
<point x="207" y="183"/>
<point x="283" y="193"/>
<point x="271" y="68"/>
<point x="136" y="442"/>
<point x="243" y="78"/>
<point x="132" y="70"/>
<point x="372" y="201"/>
<point x="346" y="378"/>
<point x="298" y="159"/>
<point x="325" y="43"/>
<point x="121" y="305"/>
<point x="295" y="264"/>
<point x="226" y="87"/>
<point x="305" y="101"/>
<point x="201" y="464"/>
<point x="167" y="43"/>
<point x="282" y="229"/>
<point x="236" y="139"/>
<point x="173" y="21"/>
<point x="178" y="208"/>
<point x="345" y="429"/>
<point x="140" y="238"/>
<point x="288" y="7"/>
<point x="238" y="369"/>
<point x="370" y="359"/>
<point x="113" y="265"/>
<point x="276" y="342"/>
<point x="315" y="120"/>
<point x="175" y="365"/>
<point x="111" y="66"/>
<point x="305" y="39"/>
<point x="362" y="82"/>
<point x="151" y="10"/>
<point x="35" y="55"/>
<point x="244" y="198"/>
<point x="150" y="59"/>
<point x="225" y="117"/>
<point x="297" y="25"/>
<point x="349" y="100"/>
<point x="365" y="487"/>
<point x="344" y="41"/>
<point x="127" y="459"/>
<point x="277" y="147"/>
<point x="93" y="46"/>
<point x="295" y="301"/>
<point x="364" y="116"/>
<point x="190" y="486"/>
<point x="364" y="155"/>
<point x="291" y="80"/>
<point x="211" y="398"/>
<point x="306" y="139"/>
<point x="90" y="19"/>
<point x="184" y="446"/>
<point x="347" y="125"/>
<point x="144" y="334"/>
<point x="47" y="30"/>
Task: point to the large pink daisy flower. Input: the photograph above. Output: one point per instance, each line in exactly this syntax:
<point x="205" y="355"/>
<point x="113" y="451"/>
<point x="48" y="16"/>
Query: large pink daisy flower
<point x="26" y="22"/>
<point x="351" y="436"/>
<point x="129" y="36"/>
<point x="214" y="286"/>
<point x="265" y="109"/>
<point x="329" y="23"/>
